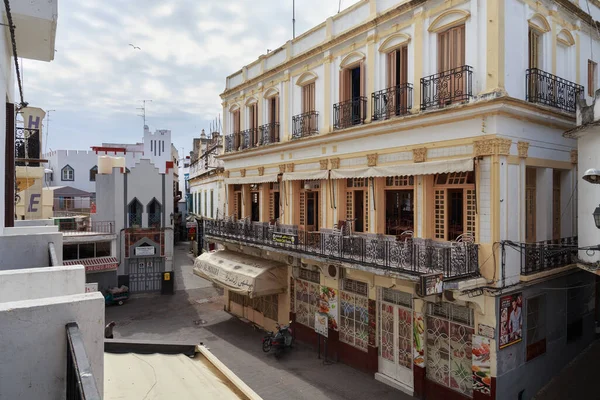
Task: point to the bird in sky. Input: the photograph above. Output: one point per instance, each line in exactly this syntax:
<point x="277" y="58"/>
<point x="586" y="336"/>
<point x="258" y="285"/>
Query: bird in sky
<point x="134" y="47"/>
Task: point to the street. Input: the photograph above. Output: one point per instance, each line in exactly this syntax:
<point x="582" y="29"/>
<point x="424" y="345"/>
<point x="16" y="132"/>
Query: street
<point x="195" y="314"/>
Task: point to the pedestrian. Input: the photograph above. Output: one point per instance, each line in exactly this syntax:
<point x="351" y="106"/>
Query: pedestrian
<point x="108" y="330"/>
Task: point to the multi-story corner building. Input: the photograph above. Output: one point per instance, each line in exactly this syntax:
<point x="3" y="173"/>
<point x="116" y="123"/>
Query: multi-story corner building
<point x="205" y="180"/>
<point x="401" y="168"/>
<point x="139" y="203"/>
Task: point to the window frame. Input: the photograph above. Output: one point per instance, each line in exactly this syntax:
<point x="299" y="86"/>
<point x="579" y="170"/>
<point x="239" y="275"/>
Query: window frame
<point x="535" y="349"/>
<point x="67" y="168"/>
<point x="351" y="298"/>
<point x="93" y="173"/>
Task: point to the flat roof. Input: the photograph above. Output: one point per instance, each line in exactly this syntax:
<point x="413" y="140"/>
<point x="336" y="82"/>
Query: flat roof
<point x="166" y="376"/>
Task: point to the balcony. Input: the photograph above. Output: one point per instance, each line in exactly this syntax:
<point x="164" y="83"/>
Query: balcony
<point x="447" y="87"/>
<point x="79" y="226"/>
<point x="35" y="28"/>
<point x="306" y="124"/>
<point x="249" y="138"/>
<point x="27" y="147"/>
<point x="550" y="90"/>
<point x="269" y="133"/>
<point x="230" y="143"/>
<point x="392" y="102"/>
<point x="349" y="113"/>
<point x="81" y="383"/>
<point x="547" y="255"/>
<point x="413" y="256"/>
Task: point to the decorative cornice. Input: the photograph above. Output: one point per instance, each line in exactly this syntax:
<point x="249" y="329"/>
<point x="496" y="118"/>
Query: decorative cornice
<point x="261" y="171"/>
<point x="281" y="168"/>
<point x="420" y="155"/>
<point x="372" y="159"/>
<point x="324" y="164"/>
<point x="492" y="147"/>
<point x="574" y="157"/>
<point x="523" y="148"/>
<point x="289" y="167"/>
<point x="243" y="172"/>
<point x="335" y="163"/>
<point x="226" y="174"/>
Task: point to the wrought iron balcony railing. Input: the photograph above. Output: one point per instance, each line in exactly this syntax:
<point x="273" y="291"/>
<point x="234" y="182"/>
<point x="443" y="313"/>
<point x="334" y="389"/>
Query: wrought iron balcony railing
<point x="249" y="138"/>
<point x="414" y="256"/>
<point x="393" y="101"/>
<point x="349" y="113"/>
<point x="269" y="133"/>
<point x="547" y="255"/>
<point x="544" y="88"/>
<point x="27" y="147"/>
<point x="80" y="384"/>
<point x="305" y="124"/>
<point x="230" y="143"/>
<point x="447" y="87"/>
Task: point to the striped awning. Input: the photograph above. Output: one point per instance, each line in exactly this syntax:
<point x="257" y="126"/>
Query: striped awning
<point x="96" y="264"/>
<point x="412" y="169"/>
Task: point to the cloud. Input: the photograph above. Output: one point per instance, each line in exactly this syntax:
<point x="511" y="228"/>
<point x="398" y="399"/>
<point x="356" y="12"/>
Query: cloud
<point x="97" y="80"/>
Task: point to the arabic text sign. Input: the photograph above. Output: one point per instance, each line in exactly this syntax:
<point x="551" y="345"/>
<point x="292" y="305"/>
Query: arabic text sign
<point x="145" y="251"/>
<point x="285" y="238"/>
<point x="228" y="278"/>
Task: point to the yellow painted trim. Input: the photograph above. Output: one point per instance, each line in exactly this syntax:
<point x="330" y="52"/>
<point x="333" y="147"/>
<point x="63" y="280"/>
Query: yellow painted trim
<point x="540" y="23"/>
<point x="458" y="18"/>
<point x="567" y="38"/>
<point x="251" y="100"/>
<point x="418" y="60"/>
<point x="370" y="74"/>
<point x="544" y="163"/>
<point x="234" y="107"/>
<point x="577" y="59"/>
<point x="284" y="134"/>
<point x="554" y="46"/>
<point x="306" y="78"/>
<point x="386" y="47"/>
<point x="271" y="92"/>
<point x="351" y="59"/>
<point x="495" y="46"/>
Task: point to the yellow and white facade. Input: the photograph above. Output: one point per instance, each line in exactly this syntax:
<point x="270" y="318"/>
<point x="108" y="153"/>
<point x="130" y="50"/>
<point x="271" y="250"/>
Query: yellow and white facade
<point x="402" y="139"/>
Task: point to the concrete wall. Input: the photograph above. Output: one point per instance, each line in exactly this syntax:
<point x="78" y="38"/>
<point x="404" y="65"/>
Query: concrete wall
<point x="29" y="251"/>
<point x="35" y="222"/>
<point x="157" y="147"/>
<point x="38" y="283"/>
<point x="82" y="161"/>
<point x="34" y="343"/>
<point x="514" y="373"/>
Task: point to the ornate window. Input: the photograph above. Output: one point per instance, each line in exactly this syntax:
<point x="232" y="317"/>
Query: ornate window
<point x="454" y="206"/>
<point x="154" y="214"/>
<point x="354" y="315"/>
<point x="67" y="173"/>
<point x="449" y="340"/>
<point x="93" y="173"/>
<point x="134" y="212"/>
<point x="307" y="302"/>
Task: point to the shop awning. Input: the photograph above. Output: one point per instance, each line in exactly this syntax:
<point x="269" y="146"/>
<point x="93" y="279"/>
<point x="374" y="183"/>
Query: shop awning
<point x="241" y="273"/>
<point x="251" y="179"/>
<point x="96" y="264"/>
<point x="425" y="168"/>
<point x="306" y="175"/>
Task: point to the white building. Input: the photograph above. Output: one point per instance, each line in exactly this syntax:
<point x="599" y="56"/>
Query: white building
<point x="207" y="190"/>
<point x="140" y="202"/>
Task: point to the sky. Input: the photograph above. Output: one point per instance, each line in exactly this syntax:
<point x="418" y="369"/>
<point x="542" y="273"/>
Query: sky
<point x="188" y="47"/>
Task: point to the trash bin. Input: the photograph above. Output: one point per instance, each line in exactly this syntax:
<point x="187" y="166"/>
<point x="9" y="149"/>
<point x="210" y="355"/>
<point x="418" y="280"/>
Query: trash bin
<point x="168" y="283"/>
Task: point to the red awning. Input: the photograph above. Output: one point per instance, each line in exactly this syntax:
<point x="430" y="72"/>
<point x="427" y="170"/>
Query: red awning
<point x="98" y="264"/>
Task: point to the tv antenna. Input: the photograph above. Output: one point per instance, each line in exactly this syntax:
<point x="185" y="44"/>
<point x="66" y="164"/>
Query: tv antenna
<point x="47" y="129"/>
<point x="340" y="6"/>
<point x="143" y="109"/>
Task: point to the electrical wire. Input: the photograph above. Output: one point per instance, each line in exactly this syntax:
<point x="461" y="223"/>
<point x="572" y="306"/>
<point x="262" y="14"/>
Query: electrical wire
<point x="14" y="49"/>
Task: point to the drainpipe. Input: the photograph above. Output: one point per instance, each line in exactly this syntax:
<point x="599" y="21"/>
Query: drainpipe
<point x="52" y="254"/>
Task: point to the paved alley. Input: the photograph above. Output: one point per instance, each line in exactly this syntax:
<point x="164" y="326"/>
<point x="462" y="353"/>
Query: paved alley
<point x="195" y="314"/>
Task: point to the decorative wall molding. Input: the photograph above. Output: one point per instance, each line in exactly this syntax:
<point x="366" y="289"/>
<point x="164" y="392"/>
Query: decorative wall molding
<point x="372" y="159"/>
<point x="490" y="147"/>
<point x="289" y="167"/>
<point x="226" y="174"/>
<point x="243" y="172"/>
<point x="335" y="163"/>
<point x="281" y="168"/>
<point x="420" y="155"/>
<point x="324" y="164"/>
<point x="261" y="171"/>
<point x="523" y="148"/>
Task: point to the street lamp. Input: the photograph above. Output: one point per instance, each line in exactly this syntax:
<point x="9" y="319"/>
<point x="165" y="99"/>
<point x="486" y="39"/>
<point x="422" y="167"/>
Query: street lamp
<point x="596" y="215"/>
<point x="592" y="176"/>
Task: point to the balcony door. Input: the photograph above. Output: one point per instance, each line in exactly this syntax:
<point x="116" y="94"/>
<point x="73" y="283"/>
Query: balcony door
<point x="255" y="206"/>
<point x="397" y="76"/>
<point x="310" y="211"/>
<point x="309" y="123"/>
<point x="253" y="125"/>
<point x="452" y="85"/>
<point x="237" y="140"/>
<point x="352" y="80"/>
<point x="273" y="118"/>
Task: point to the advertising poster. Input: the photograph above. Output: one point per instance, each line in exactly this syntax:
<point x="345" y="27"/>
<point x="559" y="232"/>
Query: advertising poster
<point x="511" y="319"/>
<point x="419" y="340"/>
<point x="432" y="284"/>
<point x="321" y="324"/>
<point x="482" y="364"/>
<point x="328" y="305"/>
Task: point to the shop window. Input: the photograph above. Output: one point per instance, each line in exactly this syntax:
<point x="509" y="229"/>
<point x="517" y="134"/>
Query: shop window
<point x="255" y="206"/>
<point x="399" y="205"/>
<point x="67" y="173"/>
<point x="87" y="250"/>
<point x="536" y="327"/>
<point x="134" y="212"/>
<point x="575" y="311"/>
<point x="310" y="275"/>
<point x="449" y="337"/>
<point x="93" y="173"/>
<point x="354" y="314"/>
<point x="70" y="252"/>
<point x="154" y="214"/>
<point x="103" y="249"/>
<point x="274" y="201"/>
<point x="455" y="205"/>
<point x="307" y="302"/>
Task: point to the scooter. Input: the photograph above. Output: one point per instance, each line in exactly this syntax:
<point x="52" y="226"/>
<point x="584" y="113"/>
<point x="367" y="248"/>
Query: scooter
<point x="281" y="340"/>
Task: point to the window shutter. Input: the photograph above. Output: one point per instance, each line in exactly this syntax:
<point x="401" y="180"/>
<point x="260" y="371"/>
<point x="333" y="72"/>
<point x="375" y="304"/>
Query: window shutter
<point x="342" y="85"/>
<point x="349" y="204"/>
<point x="440" y="214"/>
<point x="442" y="51"/>
<point x="530" y="205"/>
<point x="391" y="61"/>
<point x="302" y="208"/>
<point x="404" y="65"/>
<point x="271" y="206"/>
<point x="556" y="209"/>
<point x="471" y="211"/>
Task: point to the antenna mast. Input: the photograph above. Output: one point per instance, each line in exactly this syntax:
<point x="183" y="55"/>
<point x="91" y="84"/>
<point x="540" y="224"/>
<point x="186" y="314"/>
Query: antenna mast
<point x="293" y="19"/>
<point x="143" y="110"/>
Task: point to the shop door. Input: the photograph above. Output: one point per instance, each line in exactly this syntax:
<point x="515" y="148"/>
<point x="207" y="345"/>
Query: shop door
<point x="396" y="338"/>
<point x="145" y="274"/>
<point x="359" y="211"/>
<point x="312" y="211"/>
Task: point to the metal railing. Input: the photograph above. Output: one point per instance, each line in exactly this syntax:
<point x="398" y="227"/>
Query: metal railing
<point x="393" y="101"/>
<point x="414" y="256"/>
<point x="80" y="382"/>
<point x="350" y="112"/>
<point x="544" y="88"/>
<point x="249" y="138"/>
<point x="305" y="124"/>
<point x="547" y="255"/>
<point x="444" y="88"/>
<point x="269" y="133"/>
<point x="27" y="147"/>
<point x="230" y="143"/>
<point x="77" y="226"/>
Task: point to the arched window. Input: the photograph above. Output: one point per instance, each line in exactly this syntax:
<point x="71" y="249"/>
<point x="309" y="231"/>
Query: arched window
<point x="154" y="214"/>
<point x="134" y="213"/>
<point x="93" y="173"/>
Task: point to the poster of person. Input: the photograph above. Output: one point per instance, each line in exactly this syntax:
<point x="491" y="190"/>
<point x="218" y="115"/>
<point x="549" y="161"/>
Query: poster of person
<point x="432" y="284"/>
<point x="511" y="319"/>
<point x="328" y="305"/>
<point x="482" y="364"/>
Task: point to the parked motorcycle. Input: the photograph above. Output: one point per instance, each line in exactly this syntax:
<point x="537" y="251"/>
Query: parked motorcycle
<point x="281" y="340"/>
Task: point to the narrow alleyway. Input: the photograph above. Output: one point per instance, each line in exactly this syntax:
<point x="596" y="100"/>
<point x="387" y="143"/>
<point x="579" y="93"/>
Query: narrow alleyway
<point x="195" y="314"/>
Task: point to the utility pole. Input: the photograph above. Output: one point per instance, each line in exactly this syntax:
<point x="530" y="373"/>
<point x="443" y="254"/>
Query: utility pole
<point x="47" y="129"/>
<point x="143" y="110"/>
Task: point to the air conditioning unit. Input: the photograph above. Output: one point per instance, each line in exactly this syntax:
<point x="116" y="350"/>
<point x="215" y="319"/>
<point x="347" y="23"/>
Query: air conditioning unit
<point x="334" y="271"/>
